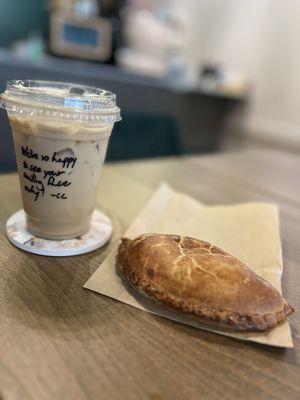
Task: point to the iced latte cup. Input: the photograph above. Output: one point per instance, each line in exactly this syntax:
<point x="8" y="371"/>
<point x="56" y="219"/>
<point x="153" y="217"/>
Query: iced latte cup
<point x="61" y="133"/>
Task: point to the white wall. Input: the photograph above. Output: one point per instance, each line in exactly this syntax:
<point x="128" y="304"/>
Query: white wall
<point x="260" y="38"/>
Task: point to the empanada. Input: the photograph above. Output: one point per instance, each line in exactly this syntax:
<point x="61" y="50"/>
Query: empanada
<point x="196" y="278"/>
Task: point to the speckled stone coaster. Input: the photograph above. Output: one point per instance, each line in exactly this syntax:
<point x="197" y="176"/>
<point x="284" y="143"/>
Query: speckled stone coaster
<point x="98" y="235"/>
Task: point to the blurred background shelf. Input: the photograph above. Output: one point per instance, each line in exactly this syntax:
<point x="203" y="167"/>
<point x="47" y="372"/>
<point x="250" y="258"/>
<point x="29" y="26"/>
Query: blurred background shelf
<point x="190" y="76"/>
<point x="160" y="118"/>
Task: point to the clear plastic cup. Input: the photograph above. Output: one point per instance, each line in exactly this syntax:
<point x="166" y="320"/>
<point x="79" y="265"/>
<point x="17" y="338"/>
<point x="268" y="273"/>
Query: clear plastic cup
<point x="61" y="132"/>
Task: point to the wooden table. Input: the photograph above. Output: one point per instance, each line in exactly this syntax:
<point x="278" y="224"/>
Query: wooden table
<point x="59" y="341"/>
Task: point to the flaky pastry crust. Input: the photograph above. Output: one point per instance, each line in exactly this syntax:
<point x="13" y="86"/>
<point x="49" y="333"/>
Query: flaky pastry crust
<point x="198" y="279"/>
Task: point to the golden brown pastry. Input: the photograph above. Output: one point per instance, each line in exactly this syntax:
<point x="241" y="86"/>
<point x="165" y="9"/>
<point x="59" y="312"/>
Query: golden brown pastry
<point x="199" y="279"/>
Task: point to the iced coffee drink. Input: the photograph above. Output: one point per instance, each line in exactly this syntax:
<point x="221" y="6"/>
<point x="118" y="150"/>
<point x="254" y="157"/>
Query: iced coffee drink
<point x="61" y="133"/>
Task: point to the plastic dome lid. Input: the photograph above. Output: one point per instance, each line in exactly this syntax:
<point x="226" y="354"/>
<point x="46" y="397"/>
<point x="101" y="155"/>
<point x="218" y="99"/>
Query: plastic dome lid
<point x="60" y="101"/>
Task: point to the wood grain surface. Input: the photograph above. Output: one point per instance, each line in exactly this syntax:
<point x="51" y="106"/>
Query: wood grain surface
<point x="60" y="341"/>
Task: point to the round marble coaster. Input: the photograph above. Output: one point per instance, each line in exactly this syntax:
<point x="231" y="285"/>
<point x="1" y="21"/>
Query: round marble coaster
<point x="98" y="235"/>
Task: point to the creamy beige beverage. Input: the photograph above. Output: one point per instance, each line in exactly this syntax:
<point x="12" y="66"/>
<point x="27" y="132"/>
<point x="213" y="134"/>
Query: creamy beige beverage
<point x="60" y="152"/>
<point x="59" y="176"/>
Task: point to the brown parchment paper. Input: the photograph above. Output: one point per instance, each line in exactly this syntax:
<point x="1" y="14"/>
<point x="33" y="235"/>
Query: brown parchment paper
<point x="248" y="231"/>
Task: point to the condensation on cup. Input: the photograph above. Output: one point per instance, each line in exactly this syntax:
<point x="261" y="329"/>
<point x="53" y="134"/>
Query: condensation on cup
<point x="61" y="132"/>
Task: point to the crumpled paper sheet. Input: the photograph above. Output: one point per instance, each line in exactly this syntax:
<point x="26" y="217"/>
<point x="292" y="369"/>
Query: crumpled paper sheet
<point x="248" y="231"/>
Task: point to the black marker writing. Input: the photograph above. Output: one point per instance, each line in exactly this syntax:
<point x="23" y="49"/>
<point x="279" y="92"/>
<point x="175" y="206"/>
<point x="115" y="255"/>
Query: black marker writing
<point x="33" y="178"/>
<point x="59" y="196"/>
<point x="52" y="182"/>
<point x="29" y="153"/>
<point x="38" y="178"/>
<point x="31" y="190"/>
<point x="66" y="161"/>
<point x="37" y="187"/>
<point x="34" y="168"/>
<point x="52" y="173"/>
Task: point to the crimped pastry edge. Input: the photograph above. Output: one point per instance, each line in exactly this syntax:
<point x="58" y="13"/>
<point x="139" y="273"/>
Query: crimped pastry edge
<point x="214" y="317"/>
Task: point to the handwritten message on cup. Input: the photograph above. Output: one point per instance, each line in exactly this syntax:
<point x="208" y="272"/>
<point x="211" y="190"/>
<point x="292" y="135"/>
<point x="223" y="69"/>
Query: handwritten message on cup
<point x="47" y="174"/>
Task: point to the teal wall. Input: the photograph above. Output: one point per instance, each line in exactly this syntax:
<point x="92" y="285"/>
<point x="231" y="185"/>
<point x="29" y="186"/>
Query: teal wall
<point x="19" y="17"/>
